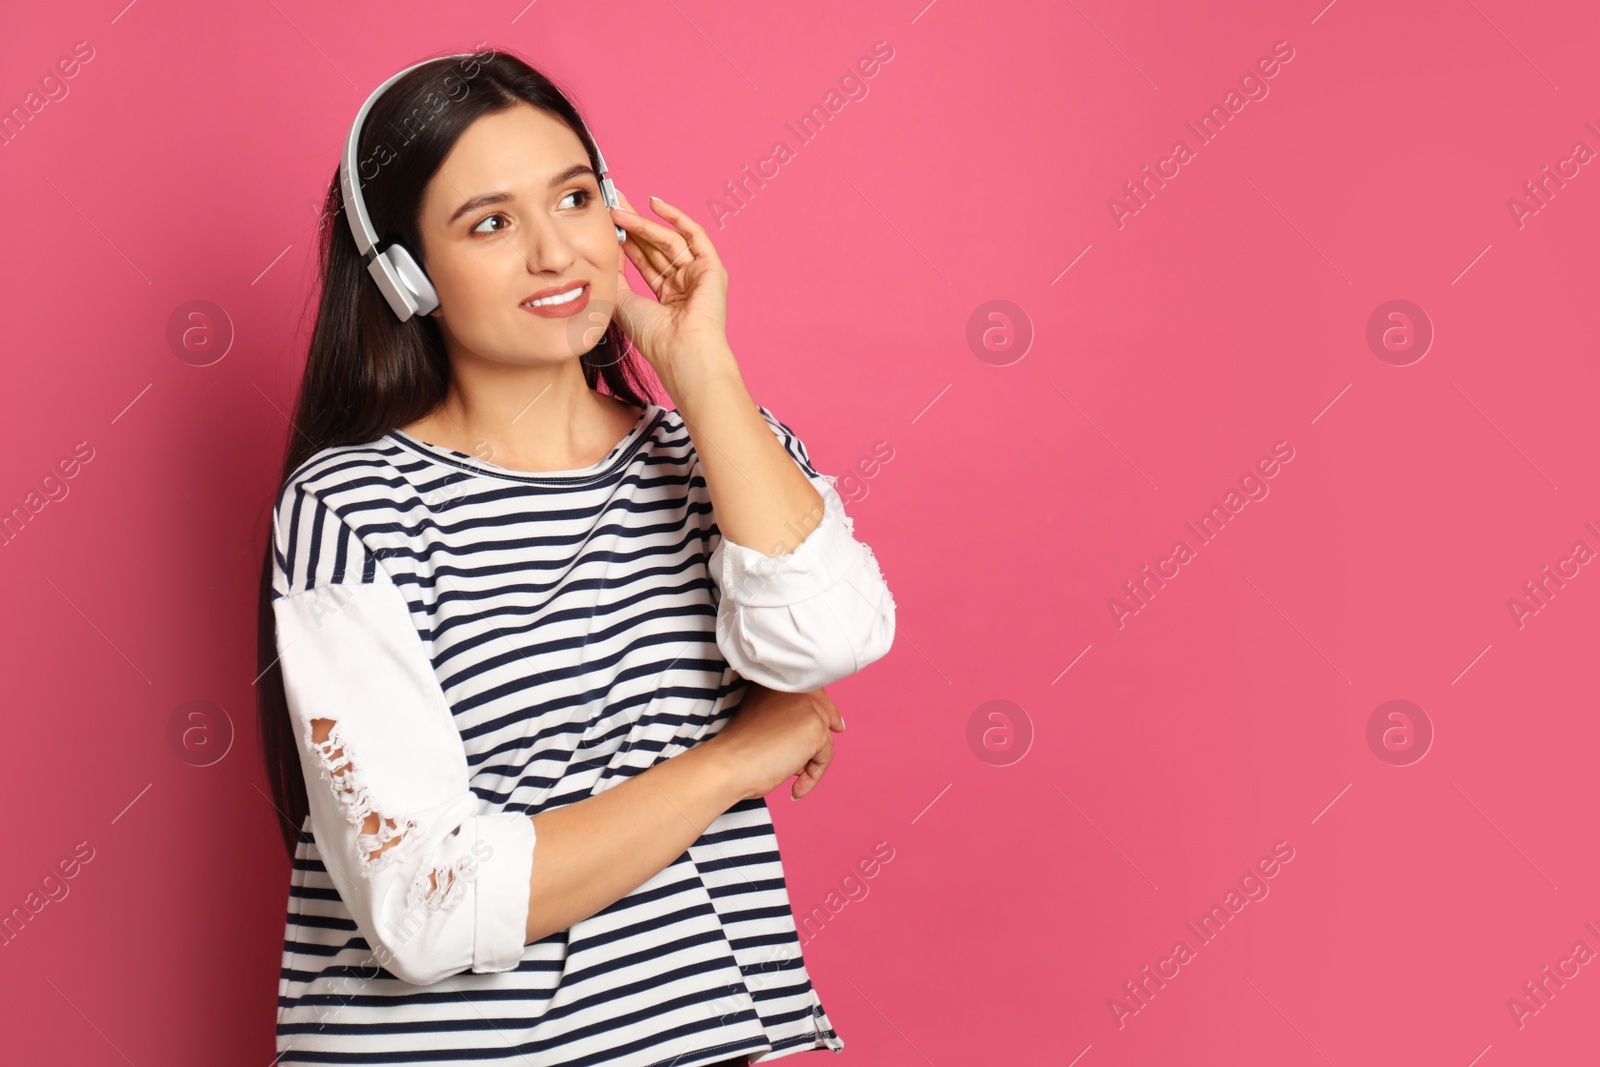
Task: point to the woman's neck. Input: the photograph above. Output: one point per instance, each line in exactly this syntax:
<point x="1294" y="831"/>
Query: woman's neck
<point x="527" y="421"/>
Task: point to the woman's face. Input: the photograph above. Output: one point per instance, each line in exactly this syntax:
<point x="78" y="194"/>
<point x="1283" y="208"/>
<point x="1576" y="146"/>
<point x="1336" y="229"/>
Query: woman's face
<point x="515" y="210"/>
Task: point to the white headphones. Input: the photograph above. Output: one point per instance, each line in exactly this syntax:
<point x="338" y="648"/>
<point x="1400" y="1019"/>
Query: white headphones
<point x="404" y="285"/>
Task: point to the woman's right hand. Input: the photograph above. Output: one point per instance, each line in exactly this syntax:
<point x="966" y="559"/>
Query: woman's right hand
<point x="773" y="736"/>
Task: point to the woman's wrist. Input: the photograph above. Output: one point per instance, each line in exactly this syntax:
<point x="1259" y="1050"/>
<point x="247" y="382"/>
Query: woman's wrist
<point x="720" y="768"/>
<point x="696" y="370"/>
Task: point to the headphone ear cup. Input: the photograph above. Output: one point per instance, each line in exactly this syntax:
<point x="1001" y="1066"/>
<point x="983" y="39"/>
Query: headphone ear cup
<point x="415" y="280"/>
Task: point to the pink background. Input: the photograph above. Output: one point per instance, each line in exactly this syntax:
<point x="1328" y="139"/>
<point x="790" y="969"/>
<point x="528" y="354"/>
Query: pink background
<point x="1227" y="315"/>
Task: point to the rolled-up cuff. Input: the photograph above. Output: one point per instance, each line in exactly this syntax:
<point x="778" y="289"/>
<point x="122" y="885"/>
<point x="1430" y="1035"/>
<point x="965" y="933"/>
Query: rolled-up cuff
<point x="505" y="865"/>
<point x="814" y="566"/>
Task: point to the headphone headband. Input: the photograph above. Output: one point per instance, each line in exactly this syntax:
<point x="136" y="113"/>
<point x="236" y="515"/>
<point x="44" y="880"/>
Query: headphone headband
<point x="402" y="280"/>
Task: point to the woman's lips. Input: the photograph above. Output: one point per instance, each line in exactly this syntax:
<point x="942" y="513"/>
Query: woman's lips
<point x="561" y="311"/>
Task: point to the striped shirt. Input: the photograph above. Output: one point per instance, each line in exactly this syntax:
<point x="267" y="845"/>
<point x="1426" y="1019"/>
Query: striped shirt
<point x="489" y="644"/>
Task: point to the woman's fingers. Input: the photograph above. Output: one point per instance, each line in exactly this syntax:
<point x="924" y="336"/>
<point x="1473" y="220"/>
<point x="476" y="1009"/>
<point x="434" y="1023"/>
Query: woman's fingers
<point x="813" y="771"/>
<point x="641" y="248"/>
<point x="825" y="707"/>
<point x="662" y="247"/>
<point x="817" y="766"/>
<point x="694" y="235"/>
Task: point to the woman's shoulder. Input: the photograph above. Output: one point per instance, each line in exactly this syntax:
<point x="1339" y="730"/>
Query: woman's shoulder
<point x="362" y="469"/>
<point x="337" y="515"/>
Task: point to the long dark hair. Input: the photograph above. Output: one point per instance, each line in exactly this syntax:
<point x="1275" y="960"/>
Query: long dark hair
<point x="366" y="371"/>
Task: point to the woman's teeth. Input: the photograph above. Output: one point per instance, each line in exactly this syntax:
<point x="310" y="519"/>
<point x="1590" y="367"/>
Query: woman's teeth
<point x="564" y="298"/>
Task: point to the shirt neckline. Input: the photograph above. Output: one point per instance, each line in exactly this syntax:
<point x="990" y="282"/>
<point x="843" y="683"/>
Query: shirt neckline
<point x="614" y="461"/>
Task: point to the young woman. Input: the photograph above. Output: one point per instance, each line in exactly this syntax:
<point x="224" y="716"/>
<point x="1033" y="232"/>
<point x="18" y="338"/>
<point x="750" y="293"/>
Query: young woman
<point x="534" y="652"/>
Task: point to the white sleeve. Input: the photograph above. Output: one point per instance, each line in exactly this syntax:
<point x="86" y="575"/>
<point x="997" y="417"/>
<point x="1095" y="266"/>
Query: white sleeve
<point x="803" y="618"/>
<point x="450" y="890"/>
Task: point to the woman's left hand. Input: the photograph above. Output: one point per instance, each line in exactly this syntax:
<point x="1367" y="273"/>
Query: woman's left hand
<point x="689" y="315"/>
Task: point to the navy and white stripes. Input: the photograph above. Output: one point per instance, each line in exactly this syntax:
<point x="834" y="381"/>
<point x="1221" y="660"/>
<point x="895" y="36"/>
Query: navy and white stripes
<point x="571" y="622"/>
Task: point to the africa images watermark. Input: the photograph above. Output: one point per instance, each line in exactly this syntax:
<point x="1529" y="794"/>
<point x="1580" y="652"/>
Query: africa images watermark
<point x="805" y="129"/>
<point x="1541" y="190"/>
<point x="53" y="887"/>
<point x="1538" y="592"/>
<point x="1537" y="993"/>
<point x="1253" y="84"/>
<point x="853" y="888"/>
<point x="53" y="484"/>
<point x="1252" y="484"/>
<point x="53" y="87"/>
<point x="1140" y="991"/>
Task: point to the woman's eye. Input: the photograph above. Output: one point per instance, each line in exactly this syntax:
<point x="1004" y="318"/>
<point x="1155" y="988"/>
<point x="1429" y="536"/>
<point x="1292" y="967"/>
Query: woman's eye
<point x="584" y="197"/>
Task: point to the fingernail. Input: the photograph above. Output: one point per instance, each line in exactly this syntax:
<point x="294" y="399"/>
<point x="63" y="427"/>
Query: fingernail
<point x="657" y="198"/>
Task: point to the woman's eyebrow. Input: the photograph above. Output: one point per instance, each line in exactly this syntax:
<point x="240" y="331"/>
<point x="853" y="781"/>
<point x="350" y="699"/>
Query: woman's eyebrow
<point x="485" y="199"/>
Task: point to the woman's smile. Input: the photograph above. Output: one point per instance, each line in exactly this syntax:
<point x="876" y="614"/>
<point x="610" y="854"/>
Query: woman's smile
<point x="559" y="302"/>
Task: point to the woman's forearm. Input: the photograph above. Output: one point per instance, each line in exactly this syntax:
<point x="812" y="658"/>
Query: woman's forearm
<point x="590" y="854"/>
<point x="760" y="496"/>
